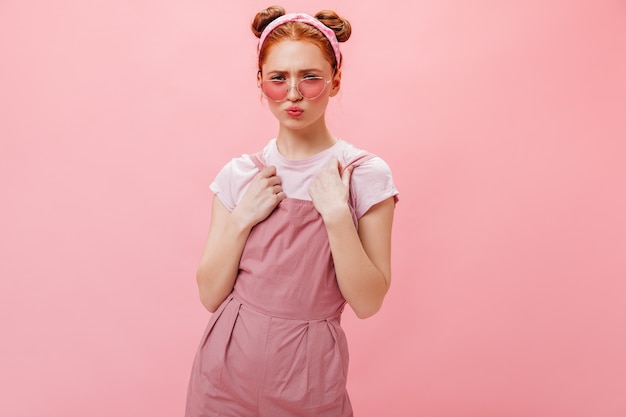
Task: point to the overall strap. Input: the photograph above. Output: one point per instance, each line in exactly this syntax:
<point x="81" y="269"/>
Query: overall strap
<point x="257" y="159"/>
<point x="365" y="156"/>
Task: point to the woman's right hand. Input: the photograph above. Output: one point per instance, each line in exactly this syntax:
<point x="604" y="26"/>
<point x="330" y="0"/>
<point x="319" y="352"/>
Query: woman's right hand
<point x="261" y="198"/>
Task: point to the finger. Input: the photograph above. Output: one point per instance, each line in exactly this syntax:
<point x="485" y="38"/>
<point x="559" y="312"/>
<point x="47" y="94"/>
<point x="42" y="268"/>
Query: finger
<point x="278" y="197"/>
<point x="275" y="180"/>
<point x="268" y="171"/>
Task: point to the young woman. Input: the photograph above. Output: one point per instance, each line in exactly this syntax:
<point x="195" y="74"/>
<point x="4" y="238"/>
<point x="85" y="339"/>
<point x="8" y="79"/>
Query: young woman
<point x="297" y="230"/>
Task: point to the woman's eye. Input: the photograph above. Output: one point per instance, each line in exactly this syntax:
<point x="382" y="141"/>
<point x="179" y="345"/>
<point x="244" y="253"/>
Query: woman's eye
<point x="277" y="78"/>
<point x="311" y="76"/>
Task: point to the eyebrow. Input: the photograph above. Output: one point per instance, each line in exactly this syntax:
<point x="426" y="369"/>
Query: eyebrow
<point x="299" y="72"/>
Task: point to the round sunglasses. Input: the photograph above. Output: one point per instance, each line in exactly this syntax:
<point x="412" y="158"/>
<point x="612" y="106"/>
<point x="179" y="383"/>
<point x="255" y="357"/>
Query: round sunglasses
<point x="309" y="88"/>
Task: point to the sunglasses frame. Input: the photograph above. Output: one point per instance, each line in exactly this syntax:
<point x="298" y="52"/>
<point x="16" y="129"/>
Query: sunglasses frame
<point x="296" y="85"/>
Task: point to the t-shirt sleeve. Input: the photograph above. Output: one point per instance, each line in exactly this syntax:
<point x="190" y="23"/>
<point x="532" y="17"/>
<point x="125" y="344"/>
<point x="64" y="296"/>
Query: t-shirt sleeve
<point x="232" y="180"/>
<point x="372" y="183"/>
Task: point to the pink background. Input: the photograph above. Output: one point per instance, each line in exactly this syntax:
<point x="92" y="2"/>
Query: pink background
<point x="504" y="123"/>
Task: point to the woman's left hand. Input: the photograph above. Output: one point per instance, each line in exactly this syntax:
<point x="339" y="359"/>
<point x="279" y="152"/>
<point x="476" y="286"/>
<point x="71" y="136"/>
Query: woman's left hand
<point x="331" y="189"/>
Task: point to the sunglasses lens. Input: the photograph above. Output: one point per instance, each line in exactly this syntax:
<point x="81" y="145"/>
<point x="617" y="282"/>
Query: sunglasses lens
<point x="311" y="87"/>
<point x="274" y="90"/>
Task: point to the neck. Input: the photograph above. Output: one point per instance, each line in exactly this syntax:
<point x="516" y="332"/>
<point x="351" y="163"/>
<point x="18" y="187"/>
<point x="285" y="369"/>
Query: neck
<point x="303" y="143"/>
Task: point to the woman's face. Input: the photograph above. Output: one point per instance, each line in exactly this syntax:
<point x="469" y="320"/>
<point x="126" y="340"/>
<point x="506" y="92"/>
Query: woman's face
<point x="293" y="61"/>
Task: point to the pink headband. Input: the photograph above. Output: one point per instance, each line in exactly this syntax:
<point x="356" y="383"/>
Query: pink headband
<point x="305" y="18"/>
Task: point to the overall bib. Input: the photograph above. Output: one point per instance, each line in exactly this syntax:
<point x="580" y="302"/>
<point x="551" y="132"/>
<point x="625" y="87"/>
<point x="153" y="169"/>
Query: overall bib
<point x="275" y="348"/>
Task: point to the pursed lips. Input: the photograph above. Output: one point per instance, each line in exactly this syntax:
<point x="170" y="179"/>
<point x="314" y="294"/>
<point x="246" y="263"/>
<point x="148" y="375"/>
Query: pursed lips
<point x="294" y="111"/>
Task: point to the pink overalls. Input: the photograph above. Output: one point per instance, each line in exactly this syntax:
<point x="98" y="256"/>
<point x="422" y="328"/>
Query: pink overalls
<point x="275" y="348"/>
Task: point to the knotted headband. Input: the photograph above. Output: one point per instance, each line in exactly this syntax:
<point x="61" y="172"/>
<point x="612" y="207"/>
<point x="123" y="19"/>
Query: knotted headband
<point x="309" y="20"/>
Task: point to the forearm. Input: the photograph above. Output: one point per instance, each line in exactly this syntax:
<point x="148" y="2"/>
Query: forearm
<point x="228" y="234"/>
<point x="361" y="282"/>
<point x="219" y="264"/>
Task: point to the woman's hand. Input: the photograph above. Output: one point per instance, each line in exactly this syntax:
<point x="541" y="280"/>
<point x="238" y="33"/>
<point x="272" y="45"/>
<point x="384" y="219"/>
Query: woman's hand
<point x="331" y="189"/>
<point x="261" y="198"/>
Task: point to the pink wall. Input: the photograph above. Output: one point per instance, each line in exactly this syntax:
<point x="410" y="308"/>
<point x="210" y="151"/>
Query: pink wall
<point x="504" y="124"/>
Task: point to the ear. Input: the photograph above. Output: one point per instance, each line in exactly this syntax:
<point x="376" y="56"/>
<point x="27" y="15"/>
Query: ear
<point x="336" y="83"/>
<point x="259" y="78"/>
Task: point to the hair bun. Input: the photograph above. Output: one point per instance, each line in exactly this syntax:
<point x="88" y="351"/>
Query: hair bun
<point x="339" y="25"/>
<point x="264" y="18"/>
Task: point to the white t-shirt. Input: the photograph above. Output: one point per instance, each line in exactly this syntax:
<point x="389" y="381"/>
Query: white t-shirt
<point x="371" y="182"/>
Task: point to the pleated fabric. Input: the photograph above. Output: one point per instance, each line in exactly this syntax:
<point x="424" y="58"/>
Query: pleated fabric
<point x="275" y="346"/>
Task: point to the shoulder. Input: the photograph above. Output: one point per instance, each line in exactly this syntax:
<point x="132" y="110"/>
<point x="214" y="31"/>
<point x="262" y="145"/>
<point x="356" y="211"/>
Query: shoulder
<point x="236" y="169"/>
<point x="375" y="166"/>
<point x="366" y="163"/>
<point x="243" y="167"/>
<point x="371" y="180"/>
<point x="346" y="152"/>
<point x="233" y="178"/>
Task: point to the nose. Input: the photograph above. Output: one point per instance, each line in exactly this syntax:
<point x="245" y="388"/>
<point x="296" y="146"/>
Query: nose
<point x="293" y="93"/>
